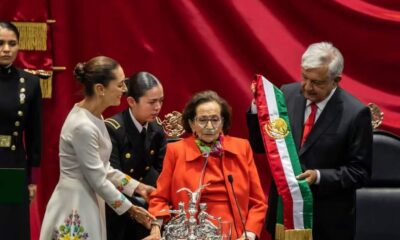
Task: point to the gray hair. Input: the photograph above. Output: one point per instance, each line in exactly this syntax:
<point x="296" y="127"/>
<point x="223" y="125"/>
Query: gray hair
<point x="323" y="54"/>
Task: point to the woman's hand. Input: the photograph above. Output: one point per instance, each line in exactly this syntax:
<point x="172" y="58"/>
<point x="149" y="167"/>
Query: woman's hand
<point x="155" y="233"/>
<point x="144" y="191"/>
<point x="141" y="216"/>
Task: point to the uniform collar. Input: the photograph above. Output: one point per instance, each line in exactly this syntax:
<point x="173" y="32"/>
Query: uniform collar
<point x="138" y="126"/>
<point x="6" y="70"/>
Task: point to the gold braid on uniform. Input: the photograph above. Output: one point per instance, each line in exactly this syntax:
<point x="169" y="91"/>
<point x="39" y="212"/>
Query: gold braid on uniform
<point x="113" y="123"/>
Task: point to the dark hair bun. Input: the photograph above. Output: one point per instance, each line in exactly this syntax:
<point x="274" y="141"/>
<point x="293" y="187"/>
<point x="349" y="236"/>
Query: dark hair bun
<point x="79" y="72"/>
<point x="98" y="70"/>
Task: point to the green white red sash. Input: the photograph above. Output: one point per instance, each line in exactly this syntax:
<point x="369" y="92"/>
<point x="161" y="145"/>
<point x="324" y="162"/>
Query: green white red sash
<point x="283" y="159"/>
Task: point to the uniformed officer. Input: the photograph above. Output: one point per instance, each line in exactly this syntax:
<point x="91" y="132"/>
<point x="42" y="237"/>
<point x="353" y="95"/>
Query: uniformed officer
<point x="139" y="146"/>
<point x="20" y="135"/>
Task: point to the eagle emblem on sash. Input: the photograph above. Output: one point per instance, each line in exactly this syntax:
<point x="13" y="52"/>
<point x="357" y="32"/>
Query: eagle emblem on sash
<point x="277" y="128"/>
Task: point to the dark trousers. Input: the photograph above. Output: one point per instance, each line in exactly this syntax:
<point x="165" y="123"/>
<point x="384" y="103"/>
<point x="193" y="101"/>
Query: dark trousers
<point x="124" y="227"/>
<point x="14" y="221"/>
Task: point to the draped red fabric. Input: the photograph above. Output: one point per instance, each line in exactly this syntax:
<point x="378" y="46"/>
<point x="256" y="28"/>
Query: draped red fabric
<point x="196" y="45"/>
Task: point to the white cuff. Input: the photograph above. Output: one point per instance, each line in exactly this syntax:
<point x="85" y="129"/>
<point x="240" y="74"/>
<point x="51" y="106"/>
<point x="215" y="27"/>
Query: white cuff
<point x="318" y="176"/>
<point x="121" y="205"/>
<point x="131" y="187"/>
<point x="158" y="222"/>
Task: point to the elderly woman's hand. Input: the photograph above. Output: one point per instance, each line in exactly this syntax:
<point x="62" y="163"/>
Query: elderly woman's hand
<point x="155" y="233"/>
<point x="141" y="216"/>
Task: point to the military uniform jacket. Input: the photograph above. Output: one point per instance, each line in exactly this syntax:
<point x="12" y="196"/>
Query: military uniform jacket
<point x="142" y="160"/>
<point x="21" y="112"/>
<point x="20" y="141"/>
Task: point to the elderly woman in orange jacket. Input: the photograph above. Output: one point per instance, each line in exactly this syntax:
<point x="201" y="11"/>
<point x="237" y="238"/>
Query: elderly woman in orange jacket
<point x="211" y="157"/>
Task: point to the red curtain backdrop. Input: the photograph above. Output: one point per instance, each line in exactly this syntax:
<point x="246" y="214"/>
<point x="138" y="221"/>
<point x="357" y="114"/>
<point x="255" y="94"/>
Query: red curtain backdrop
<point x="216" y="44"/>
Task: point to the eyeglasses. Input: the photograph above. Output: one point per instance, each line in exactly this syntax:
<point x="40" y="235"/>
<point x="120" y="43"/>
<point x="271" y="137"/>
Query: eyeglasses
<point x="203" y="121"/>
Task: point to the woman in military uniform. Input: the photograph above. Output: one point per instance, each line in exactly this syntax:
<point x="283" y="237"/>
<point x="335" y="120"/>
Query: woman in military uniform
<point x="20" y="137"/>
<point x="138" y="146"/>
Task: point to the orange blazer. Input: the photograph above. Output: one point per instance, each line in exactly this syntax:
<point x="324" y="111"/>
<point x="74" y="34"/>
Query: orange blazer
<point x="237" y="161"/>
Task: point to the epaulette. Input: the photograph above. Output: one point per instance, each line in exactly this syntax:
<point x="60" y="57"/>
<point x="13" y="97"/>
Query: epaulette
<point x="158" y="121"/>
<point x="43" y="74"/>
<point x="113" y="123"/>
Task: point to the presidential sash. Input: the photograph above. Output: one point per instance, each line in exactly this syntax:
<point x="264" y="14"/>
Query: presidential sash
<point x="296" y="197"/>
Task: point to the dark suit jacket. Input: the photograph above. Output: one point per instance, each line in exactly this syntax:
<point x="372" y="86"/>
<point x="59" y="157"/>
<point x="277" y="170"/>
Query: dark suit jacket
<point x="141" y="160"/>
<point x="340" y="147"/>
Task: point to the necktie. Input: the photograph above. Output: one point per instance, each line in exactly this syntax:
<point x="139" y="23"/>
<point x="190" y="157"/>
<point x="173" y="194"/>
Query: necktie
<point x="143" y="134"/>
<point x="309" y="123"/>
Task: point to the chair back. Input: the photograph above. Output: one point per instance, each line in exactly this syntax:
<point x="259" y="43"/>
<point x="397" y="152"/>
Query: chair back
<point x="378" y="204"/>
<point x="385" y="168"/>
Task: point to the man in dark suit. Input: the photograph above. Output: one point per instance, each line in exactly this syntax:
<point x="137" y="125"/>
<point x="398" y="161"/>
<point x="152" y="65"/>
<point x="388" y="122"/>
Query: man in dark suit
<point x="139" y="146"/>
<point x="336" y="153"/>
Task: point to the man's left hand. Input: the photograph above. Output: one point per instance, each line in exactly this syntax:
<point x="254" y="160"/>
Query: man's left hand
<point x="309" y="175"/>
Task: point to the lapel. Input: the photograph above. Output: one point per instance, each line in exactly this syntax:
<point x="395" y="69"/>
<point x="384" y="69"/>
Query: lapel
<point x="192" y="152"/>
<point x="297" y="118"/>
<point x="332" y="109"/>
<point x="229" y="148"/>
